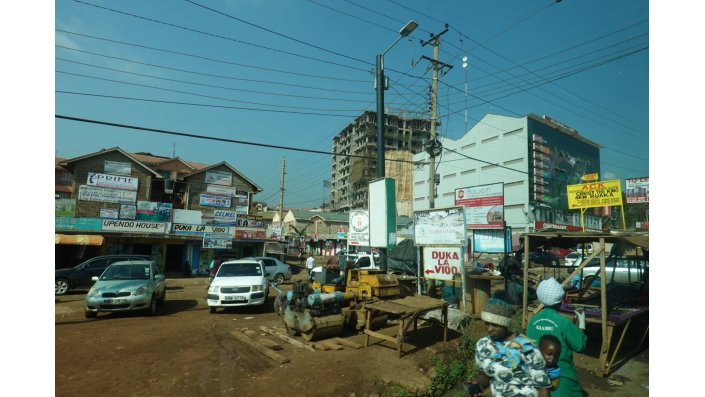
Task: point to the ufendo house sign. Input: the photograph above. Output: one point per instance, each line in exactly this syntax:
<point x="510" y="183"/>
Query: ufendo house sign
<point x="134" y="226"/>
<point x="112" y="181"/>
<point x="93" y="193"/>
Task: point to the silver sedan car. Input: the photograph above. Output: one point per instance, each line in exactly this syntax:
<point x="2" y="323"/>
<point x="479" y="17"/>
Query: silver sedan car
<point x="623" y="270"/>
<point x="277" y="270"/>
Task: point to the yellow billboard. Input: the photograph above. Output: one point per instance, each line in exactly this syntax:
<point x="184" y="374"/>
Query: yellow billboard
<point x="596" y="194"/>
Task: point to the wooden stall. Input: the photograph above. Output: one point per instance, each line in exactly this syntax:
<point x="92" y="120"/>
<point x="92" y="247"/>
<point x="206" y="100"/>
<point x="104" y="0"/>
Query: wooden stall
<point x="608" y="317"/>
<point x="408" y="309"/>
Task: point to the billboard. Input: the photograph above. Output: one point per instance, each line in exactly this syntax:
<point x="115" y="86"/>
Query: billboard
<point x="65" y="207"/>
<point x="637" y="190"/>
<point x="217" y="241"/>
<point x="492" y="241"/>
<point x="209" y="200"/>
<point x="484" y="205"/>
<point x="112" y="181"/>
<point x="443" y="226"/>
<point x="442" y="263"/>
<point x="219" y="178"/>
<point x="93" y="193"/>
<point x="383" y="213"/>
<point x="153" y="211"/>
<point x="359" y="233"/>
<point x="596" y="194"/>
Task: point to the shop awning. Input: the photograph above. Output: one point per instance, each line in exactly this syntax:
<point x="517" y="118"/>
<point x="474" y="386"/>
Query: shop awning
<point x="78" y="239"/>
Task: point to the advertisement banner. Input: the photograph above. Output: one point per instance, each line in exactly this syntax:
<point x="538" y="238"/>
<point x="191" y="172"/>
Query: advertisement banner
<point x="442" y="263"/>
<point x="637" y="190"/>
<point x="128" y="211"/>
<point x="153" y="211"/>
<point x="109" y="213"/>
<point x="227" y="191"/>
<point x="484" y="205"/>
<point x="538" y="225"/>
<point x="359" y="233"/>
<point x="383" y="213"/>
<point x="219" y="178"/>
<point x="224" y="217"/>
<point x="597" y="194"/>
<point x="249" y="234"/>
<point x="274" y="232"/>
<point x="209" y="200"/>
<point x="112" y="181"/>
<point x="217" y="241"/>
<point x="93" y="193"/>
<point x="190" y="217"/>
<point x="242" y="202"/>
<point x="65" y="207"/>
<point x="440" y="227"/>
<point x="491" y="241"/>
<point x="180" y="228"/>
<point x="117" y="168"/>
<point x="78" y="224"/>
<point x="134" y="226"/>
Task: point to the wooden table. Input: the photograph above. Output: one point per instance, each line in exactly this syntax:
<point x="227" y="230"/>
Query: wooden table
<point x="408" y="309"/>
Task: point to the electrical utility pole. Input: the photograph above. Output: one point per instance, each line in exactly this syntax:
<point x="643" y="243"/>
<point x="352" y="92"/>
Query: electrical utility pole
<point x="434" y="148"/>
<point x="281" y="199"/>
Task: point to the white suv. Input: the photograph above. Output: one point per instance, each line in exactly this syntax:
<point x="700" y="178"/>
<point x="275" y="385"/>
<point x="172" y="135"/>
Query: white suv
<point x="240" y="282"/>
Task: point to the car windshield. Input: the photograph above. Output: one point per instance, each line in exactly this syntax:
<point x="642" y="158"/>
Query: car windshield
<point x="240" y="270"/>
<point x="126" y="272"/>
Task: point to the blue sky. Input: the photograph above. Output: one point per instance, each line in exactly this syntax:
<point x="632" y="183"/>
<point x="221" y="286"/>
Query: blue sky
<point x="304" y="70"/>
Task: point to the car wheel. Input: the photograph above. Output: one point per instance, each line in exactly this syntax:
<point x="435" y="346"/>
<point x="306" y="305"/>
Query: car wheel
<point x="152" y="306"/>
<point x="212" y="309"/>
<point x="162" y="299"/>
<point x="90" y="314"/>
<point x="278" y="279"/>
<point x="61" y="286"/>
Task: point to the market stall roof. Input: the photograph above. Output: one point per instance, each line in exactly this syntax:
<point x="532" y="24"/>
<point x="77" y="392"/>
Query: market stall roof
<point x="78" y="239"/>
<point x="569" y="239"/>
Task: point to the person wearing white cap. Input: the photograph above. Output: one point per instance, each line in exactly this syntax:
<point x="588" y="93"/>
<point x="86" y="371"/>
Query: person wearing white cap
<point x="549" y="322"/>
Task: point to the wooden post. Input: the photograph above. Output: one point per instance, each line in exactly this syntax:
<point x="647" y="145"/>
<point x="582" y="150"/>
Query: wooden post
<point x="368" y="326"/>
<point x="603" y="297"/>
<point x="525" y="293"/>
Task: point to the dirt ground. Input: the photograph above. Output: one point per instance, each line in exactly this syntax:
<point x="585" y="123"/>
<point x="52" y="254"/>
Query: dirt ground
<point x="185" y="351"/>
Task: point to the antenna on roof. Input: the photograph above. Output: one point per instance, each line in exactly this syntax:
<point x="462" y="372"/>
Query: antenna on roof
<point x="173" y="153"/>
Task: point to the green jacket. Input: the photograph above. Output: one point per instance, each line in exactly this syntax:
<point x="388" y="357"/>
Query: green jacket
<point x="572" y="339"/>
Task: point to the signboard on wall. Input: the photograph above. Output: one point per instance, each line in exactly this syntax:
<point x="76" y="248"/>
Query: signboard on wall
<point x="490" y="240"/>
<point x="597" y="194"/>
<point x="187" y="216"/>
<point x="224" y="217"/>
<point x="180" y="228"/>
<point x="134" y="226"/>
<point x="103" y="195"/>
<point x="153" y="211"/>
<point x="117" y="168"/>
<point x="359" y="233"/>
<point x="442" y="263"/>
<point x="484" y="205"/>
<point x="109" y="213"/>
<point x="65" y="207"/>
<point x="217" y="241"/>
<point x="219" y="178"/>
<point x="383" y="213"/>
<point x="242" y="202"/>
<point x="209" y="200"/>
<point x="443" y="226"/>
<point x="112" y="181"/>
<point x="128" y="211"/>
<point x="637" y="190"/>
<point x="219" y="190"/>
<point x="82" y="224"/>
<point x="249" y="234"/>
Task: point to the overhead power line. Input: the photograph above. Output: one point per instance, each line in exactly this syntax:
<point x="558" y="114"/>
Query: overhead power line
<point x="213" y="138"/>
<point x="316" y="76"/>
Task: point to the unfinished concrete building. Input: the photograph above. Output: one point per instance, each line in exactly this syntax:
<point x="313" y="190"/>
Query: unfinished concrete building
<point x="350" y="175"/>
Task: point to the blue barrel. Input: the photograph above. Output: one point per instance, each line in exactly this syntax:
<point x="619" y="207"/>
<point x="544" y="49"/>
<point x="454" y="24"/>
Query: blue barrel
<point x="319" y="299"/>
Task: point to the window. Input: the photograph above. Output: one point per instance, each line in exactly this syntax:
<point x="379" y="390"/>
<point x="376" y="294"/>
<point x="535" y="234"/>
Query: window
<point x="467" y="172"/>
<point x="97" y="264"/>
<point x="488" y="140"/>
<point x="468" y="146"/>
<point x="511" y="133"/>
<point x="515" y="161"/>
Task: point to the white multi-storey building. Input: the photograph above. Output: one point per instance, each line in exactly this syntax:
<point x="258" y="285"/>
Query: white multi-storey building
<point x="534" y="157"/>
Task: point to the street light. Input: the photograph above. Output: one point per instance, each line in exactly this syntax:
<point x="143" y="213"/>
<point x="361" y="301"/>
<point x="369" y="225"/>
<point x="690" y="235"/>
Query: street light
<point x="381" y="86"/>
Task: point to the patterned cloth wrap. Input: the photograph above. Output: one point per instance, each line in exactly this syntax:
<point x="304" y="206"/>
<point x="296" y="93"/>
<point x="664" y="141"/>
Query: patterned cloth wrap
<point x="512" y="353"/>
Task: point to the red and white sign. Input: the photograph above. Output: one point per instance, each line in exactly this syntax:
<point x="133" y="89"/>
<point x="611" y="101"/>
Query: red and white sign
<point x="442" y="263"/>
<point x="249" y="234"/>
<point x="484" y="205"/>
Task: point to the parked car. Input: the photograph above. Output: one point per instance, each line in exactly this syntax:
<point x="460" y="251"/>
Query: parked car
<point x="80" y="276"/>
<point x="626" y="270"/>
<point x="241" y="282"/>
<point x="127" y="286"/>
<point x="278" y="271"/>
<point x="544" y="258"/>
<point x="574" y="259"/>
